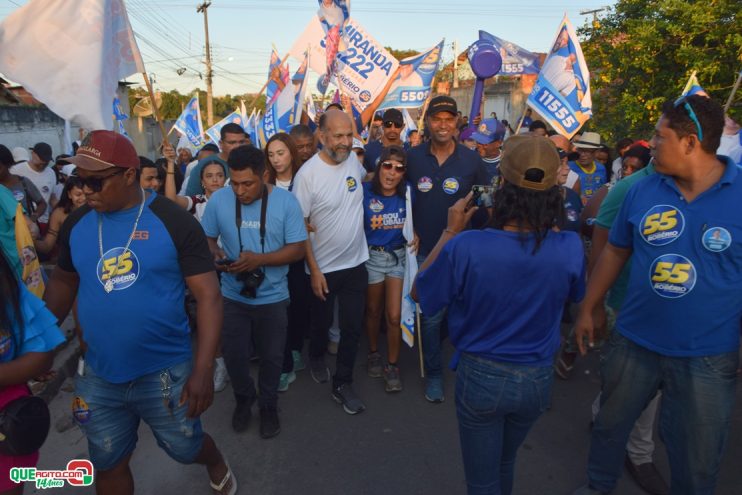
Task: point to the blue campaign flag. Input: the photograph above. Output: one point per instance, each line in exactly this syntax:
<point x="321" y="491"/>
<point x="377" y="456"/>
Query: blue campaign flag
<point x="515" y="60"/>
<point x="189" y="123"/>
<point x="561" y="94"/>
<point x="119" y="116"/>
<point x="412" y="86"/>
<point x="214" y="133"/>
<point x="278" y="78"/>
<point x="286" y="110"/>
<point x="693" y="87"/>
<point x="118" y="112"/>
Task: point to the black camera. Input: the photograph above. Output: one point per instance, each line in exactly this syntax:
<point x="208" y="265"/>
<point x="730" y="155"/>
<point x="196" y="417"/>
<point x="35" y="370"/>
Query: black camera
<point x="250" y="282"/>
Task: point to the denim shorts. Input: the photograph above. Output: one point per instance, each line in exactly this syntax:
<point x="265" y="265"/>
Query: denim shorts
<point x="382" y="264"/>
<point x="109" y="415"/>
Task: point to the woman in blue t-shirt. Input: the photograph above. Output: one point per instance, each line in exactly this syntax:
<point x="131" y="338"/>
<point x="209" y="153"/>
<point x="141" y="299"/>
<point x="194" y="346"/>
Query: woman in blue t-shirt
<point x="28" y="334"/>
<point x="384" y="214"/>
<point x="505" y="288"/>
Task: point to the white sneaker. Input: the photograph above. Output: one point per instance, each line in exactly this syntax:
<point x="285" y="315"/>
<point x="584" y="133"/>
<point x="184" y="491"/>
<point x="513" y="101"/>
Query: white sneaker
<point x="221" y="377"/>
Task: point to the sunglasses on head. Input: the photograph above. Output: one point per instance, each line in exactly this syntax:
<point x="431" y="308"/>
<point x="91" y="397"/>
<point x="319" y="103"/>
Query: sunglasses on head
<point x="390" y="124"/>
<point x="95" y="184"/>
<point x="397" y="166"/>
<point x="683" y="100"/>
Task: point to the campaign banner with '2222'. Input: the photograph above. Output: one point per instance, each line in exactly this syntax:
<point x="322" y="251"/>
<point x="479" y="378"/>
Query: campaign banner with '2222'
<point x="364" y="66"/>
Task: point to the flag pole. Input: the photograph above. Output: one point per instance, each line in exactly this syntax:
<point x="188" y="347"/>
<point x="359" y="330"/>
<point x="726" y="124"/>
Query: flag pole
<point x="155" y="110"/>
<point x="734" y="91"/>
<point x="419" y="340"/>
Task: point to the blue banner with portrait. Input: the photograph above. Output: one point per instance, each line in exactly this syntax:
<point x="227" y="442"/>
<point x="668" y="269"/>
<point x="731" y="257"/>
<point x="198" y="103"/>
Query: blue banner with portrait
<point x="515" y="60"/>
<point x="189" y="123"/>
<point x="411" y="87"/>
<point x="561" y="94"/>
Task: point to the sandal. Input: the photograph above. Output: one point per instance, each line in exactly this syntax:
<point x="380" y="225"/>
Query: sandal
<point x="228" y="485"/>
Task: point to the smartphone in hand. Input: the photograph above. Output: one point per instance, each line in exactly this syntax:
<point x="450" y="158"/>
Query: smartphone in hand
<point x="481" y="196"/>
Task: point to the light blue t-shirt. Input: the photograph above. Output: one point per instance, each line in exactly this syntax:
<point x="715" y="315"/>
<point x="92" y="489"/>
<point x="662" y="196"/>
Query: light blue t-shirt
<point x="284" y="224"/>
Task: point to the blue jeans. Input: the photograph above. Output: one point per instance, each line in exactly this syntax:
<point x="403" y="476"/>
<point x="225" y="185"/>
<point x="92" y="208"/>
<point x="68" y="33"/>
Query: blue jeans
<point x="697" y="403"/>
<point x="109" y="415"/>
<point x="430" y="328"/>
<point x="496" y="405"/>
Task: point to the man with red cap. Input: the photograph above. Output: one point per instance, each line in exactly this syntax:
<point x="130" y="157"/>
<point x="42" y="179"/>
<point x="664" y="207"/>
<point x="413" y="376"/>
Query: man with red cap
<point x="119" y="254"/>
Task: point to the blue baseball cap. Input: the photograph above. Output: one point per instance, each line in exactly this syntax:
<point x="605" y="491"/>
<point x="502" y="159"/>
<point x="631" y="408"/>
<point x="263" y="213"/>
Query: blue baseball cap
<point x="489" y="131"/>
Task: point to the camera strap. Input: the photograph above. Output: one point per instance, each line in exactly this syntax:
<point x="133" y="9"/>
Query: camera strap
<point x="263" y="210"/>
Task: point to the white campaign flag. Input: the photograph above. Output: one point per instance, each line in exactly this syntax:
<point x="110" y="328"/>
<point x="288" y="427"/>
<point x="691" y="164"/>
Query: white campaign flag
<point x="70" y="55"/>
<point x="407" y="322"/>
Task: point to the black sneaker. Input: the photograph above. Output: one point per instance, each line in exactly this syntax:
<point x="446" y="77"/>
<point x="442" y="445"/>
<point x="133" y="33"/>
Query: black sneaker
<point x="345" y="395"/>
<point x="269" y="424"/>
<point x="319" y="370"/>
<point x="241" y="416"/>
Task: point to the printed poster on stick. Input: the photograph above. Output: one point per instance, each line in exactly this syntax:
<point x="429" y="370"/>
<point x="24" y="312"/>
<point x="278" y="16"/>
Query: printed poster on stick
<point x="364" y="66"/>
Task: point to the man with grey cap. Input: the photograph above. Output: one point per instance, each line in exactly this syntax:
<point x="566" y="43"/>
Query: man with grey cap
<point x="392" y="123"/>
<point x="489" y="136"/>
<point x="122" y="250"/>
<point x="36" y="170"/>
<point x="442" y="171"/>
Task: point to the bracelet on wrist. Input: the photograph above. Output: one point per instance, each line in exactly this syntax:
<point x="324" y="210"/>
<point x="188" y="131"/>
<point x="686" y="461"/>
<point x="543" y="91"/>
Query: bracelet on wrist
<point x="450" y="231"/>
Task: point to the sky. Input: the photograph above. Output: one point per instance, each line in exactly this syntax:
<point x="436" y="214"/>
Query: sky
<point x="170" y="33"/>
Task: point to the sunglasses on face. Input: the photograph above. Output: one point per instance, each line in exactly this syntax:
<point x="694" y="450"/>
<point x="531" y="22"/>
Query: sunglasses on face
<point x="686" y="105"/>
<point x="389" y="125"/>
<point x="396" y="166"/>
<point x="95" y="184"/>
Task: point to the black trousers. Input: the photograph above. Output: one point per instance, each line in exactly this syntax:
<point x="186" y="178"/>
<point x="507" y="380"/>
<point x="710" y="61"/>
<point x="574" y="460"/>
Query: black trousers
<point x="300" y="293"/>
<point x="263" y="326"/>
<point x="349" y="287"/>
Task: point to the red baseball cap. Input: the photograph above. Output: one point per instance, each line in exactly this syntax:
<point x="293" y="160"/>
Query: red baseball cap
<point x="101" y="150"/>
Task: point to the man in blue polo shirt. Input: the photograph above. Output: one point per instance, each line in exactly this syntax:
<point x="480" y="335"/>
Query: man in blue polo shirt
<point x="441" y="171"/>
<point x="678" y="329"/>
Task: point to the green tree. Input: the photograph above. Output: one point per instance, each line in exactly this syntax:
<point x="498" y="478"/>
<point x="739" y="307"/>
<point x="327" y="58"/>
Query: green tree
<point x="644" y="51"/>
<point x="400" y="54"/>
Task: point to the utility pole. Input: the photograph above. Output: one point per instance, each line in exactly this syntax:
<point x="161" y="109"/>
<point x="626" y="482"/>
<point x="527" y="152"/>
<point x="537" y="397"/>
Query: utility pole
<point x="455" y="64"/>
<point x="209" y="73"/>
<point x="596" y="23"/>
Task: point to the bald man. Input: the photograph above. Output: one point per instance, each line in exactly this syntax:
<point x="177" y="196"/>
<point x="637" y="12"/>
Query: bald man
<point x="328" y="187"/>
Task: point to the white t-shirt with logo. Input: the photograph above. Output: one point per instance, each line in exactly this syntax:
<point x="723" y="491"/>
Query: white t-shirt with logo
<point x="44" y="182"/>
<point x="331" y="197"/>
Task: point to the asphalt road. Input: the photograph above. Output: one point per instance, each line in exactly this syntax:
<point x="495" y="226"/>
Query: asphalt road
<point x="400" y="445"/>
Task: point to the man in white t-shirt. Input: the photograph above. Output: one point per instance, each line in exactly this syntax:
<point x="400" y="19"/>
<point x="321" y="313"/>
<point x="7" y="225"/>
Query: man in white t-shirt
<point x="43" y="177"/>
<point x="328" y="187"/>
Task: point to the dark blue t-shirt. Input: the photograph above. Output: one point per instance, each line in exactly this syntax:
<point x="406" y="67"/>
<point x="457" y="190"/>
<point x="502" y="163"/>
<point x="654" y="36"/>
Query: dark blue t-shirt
<point x="438" y="187"/>
<point x="140" y="326"/>
<point x="383" y="218"/>
<point x="684" y="296"/>
<point x="572" y="210"/>
<point x="504" y="302"/>
<point x="373" y="152"/>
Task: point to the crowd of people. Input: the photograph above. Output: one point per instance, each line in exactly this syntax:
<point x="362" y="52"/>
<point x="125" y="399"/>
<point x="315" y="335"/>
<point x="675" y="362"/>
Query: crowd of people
<point x="258" y="253"/>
